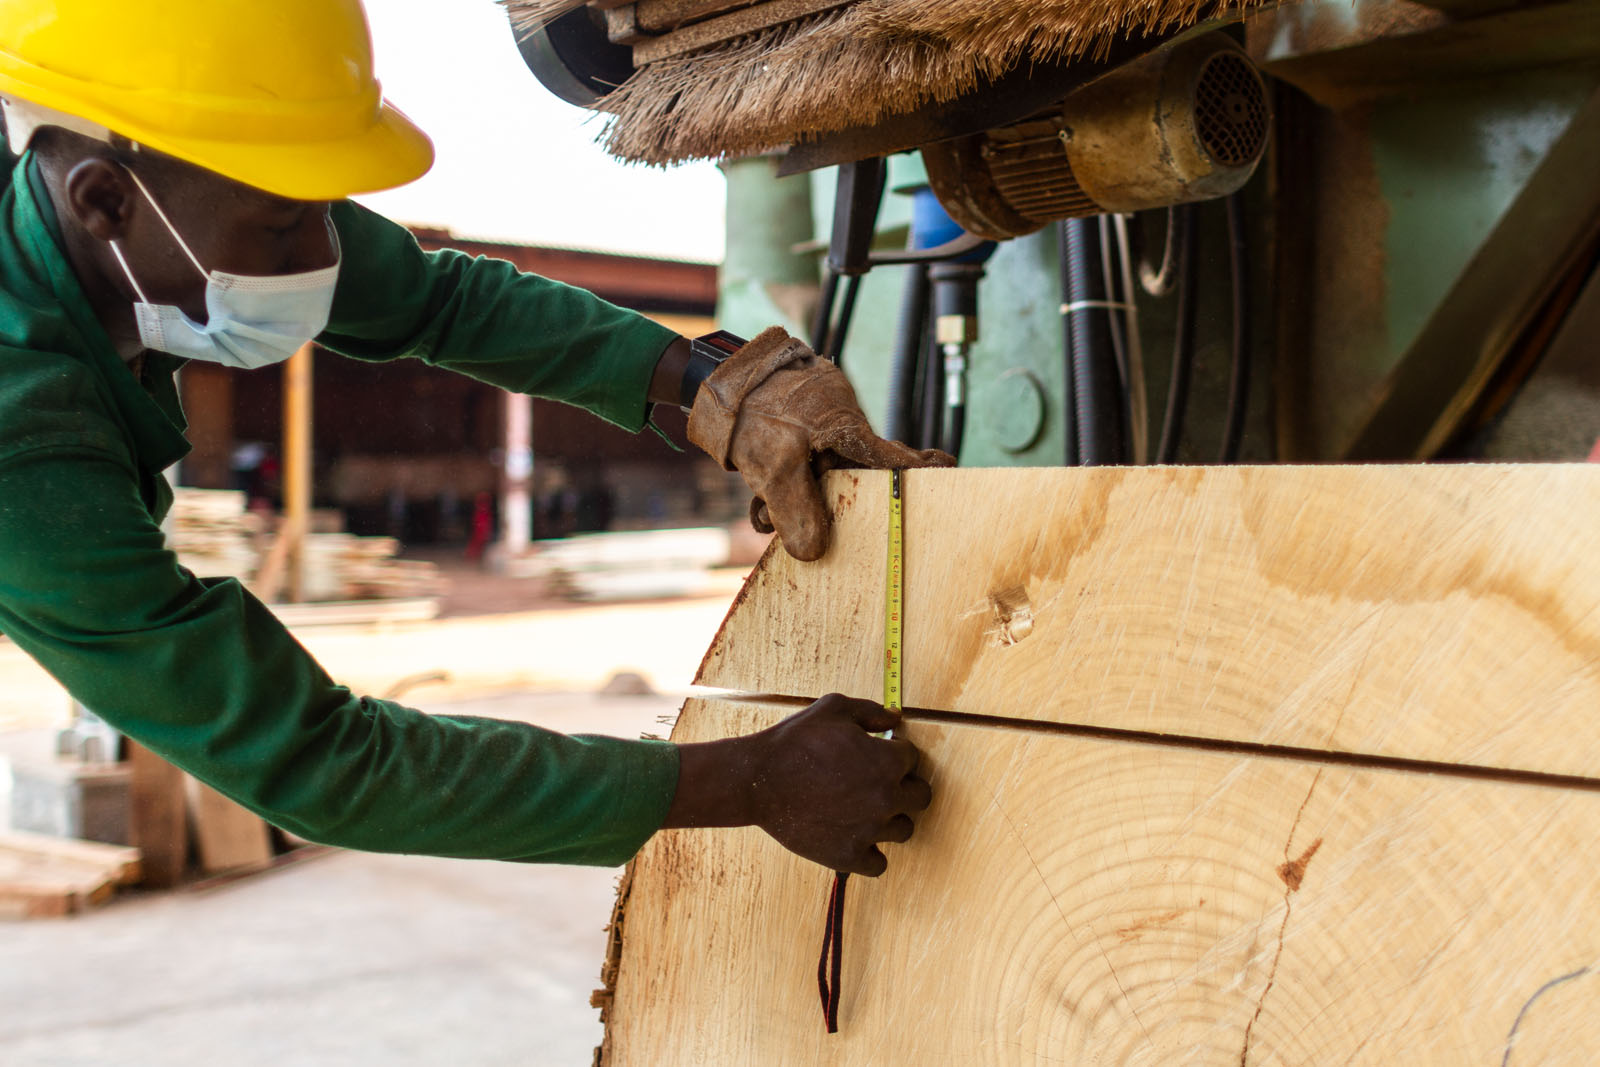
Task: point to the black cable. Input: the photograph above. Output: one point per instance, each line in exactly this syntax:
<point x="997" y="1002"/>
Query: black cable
<point x="830" y="962"/>
<point x="1157" y="281"/>
<point x="1117" y="320"/>
<point x="903" y="361"/>
<point x="1183" y="337"/>
<point x="1108" y="282"/>
<point x="1239" y="369"/>
<point x="847" y="310"/>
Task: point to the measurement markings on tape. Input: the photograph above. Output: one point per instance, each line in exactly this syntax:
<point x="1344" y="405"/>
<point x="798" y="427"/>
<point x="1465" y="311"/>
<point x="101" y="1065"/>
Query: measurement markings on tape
<point x="894" y="591"/>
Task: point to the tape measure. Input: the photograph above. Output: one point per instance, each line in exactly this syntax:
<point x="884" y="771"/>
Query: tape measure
<point x="894" y="589"/>
<point x="894" y="581"/>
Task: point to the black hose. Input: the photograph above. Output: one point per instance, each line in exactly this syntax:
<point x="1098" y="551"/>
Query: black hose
<point x="1096" y="394"/>
<point x="908" y="346"/>
<point x="1069" y="400"/>
<point x="1239" y="367"/>
<point x="847" y="310"/>
<point x="1183" y="337"/>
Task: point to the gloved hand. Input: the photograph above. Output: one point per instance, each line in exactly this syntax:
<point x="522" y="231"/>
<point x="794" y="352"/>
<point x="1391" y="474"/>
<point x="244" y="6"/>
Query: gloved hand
<point x="779" y="414"/>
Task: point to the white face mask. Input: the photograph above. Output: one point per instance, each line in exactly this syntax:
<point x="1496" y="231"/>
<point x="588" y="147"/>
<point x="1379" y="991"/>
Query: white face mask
<point x="252" y="321"/>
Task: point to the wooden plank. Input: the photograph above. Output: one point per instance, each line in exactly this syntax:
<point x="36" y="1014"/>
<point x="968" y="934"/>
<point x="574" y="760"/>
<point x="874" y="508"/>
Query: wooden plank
<point x="48" y="877"/>
<point x="621" y="27"/>
<point x="1446" y="613"/>
<point x="120" y="862"/>
<point x="660" y="16"/>
<point x="227" y="836"/>
<point x="1088" y="902"/>
<point x="158" y="821"/>
<point x="738" y="23"/>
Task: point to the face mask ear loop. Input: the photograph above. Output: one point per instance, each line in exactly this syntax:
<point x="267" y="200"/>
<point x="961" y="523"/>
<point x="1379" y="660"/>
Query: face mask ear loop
<point x="116" y="250"/>
<point x="162" y="215"/>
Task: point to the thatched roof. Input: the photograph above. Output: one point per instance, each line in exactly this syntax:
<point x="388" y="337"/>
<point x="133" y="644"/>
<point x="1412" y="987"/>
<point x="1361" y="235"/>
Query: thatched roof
<point x="853" y="66"/>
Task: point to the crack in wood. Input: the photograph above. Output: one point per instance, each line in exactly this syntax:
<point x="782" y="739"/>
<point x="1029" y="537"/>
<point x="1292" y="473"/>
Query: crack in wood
<point x="1293" y="874"/>
<point x="1257" y="749"/>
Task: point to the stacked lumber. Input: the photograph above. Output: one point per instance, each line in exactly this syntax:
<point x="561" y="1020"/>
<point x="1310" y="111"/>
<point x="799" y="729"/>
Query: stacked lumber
<point x="341" y="566"/>
<point x="213" y="532"/>
<point x="1230" y="766"/>
<point x="633" y="565"/>
<point x="46" y="877"/>
<point x="216" y="536"/>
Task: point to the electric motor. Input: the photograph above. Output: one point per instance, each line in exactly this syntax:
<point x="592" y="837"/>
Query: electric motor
<point x="1187" y="122"/>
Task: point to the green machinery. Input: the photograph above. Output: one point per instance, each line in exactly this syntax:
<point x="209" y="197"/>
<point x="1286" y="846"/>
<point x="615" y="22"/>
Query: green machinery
<point x="1410" y="272"/>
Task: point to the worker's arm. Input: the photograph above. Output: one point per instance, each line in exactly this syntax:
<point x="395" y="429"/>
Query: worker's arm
<point x="201" y="673"/>
<point x="486" y="319"/>
<point x="774" y="411"/>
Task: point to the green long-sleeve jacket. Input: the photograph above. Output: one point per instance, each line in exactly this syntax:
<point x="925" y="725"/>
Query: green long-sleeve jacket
<point x="197" y="669"/>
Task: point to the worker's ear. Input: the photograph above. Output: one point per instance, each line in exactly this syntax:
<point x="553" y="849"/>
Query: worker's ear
<point x="101" y="196"/>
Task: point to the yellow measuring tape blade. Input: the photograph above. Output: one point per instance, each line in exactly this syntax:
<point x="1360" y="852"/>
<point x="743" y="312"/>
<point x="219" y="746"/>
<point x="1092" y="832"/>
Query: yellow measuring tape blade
<point x="895" y="582"/>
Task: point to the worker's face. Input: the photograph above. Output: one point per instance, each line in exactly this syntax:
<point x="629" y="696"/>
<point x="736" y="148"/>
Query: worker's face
<point x="229" y="227"/>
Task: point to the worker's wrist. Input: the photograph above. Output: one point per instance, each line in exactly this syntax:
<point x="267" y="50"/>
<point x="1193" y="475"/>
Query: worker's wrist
<point x="716" y="785"/>
<point x="666" y="380"/>
<point x="686" y="364"/>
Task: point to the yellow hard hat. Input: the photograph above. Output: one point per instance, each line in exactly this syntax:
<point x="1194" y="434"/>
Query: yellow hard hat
<point x="278" y="94"/>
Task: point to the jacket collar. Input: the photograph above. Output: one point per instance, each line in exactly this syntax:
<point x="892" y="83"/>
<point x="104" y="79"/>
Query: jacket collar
<point x="150" y="413"/>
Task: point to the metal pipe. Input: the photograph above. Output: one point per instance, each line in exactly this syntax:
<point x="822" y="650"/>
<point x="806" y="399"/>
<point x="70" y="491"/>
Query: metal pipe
<point x="955" y="397"/>
<point x="823" y="319"/>
<point x="847" y="309"/>
<point x="516" y="499"/>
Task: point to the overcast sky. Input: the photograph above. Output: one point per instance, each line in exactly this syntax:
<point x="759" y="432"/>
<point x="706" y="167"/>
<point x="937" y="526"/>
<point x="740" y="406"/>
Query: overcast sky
<point x="515" y="163"/>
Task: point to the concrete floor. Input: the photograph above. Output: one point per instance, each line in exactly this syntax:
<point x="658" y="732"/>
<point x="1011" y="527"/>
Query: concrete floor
<point x="349" y="958"/>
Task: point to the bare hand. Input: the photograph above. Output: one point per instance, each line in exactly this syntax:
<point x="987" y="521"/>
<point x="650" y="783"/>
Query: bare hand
<point x="818" y="782"/>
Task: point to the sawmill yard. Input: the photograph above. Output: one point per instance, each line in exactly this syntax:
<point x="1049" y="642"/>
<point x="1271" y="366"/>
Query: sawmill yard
<point x="344" y="957"/>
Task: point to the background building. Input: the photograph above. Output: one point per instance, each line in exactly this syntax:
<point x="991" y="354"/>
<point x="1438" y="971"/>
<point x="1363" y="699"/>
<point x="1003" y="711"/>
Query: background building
<point x="411" y="451"/>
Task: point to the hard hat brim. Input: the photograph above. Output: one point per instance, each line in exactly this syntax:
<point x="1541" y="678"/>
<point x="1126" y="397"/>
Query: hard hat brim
<point x="388" y="152"/>
<point x="391" y="152"/>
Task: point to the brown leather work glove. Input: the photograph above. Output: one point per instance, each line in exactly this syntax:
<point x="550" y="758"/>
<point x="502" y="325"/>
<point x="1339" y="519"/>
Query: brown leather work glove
<point x="779" y="414"/>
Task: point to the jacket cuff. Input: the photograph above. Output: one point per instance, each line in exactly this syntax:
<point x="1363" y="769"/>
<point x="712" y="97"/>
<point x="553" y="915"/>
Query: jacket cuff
<point x="716" y="405"/>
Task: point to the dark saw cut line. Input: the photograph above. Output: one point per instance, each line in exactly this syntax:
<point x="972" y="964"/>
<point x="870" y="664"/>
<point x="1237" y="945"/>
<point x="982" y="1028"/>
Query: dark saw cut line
<point x="1253" y="749"/>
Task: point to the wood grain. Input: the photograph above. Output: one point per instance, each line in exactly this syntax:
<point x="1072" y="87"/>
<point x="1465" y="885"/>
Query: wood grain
<point x="1446" y="613"/>
<point x="1089" y="902"/>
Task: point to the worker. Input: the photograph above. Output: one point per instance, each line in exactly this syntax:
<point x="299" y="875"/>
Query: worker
<point x="180" y="193"/>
